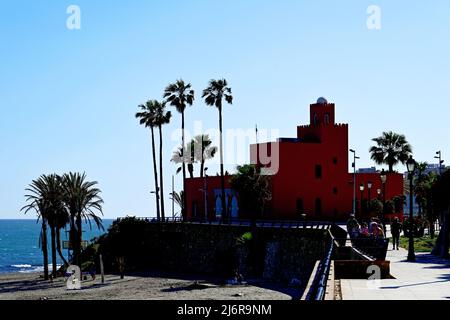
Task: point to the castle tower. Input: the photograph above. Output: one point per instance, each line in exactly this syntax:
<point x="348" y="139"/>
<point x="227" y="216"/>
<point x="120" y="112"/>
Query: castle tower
<point x="322" y="113"/>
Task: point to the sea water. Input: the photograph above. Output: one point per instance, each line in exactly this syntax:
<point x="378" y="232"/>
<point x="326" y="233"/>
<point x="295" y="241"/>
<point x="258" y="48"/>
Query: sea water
<point x="19" y="244"/>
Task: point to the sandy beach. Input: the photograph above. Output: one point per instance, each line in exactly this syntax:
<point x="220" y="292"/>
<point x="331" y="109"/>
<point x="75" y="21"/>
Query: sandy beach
<point x="31" y="286"/>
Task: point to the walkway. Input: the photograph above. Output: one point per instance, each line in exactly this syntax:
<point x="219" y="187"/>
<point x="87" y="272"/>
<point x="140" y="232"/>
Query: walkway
<point x="426" y="279"/>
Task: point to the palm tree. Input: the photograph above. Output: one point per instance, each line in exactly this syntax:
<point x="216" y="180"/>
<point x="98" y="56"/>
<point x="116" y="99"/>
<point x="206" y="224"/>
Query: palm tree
<point x="183" y="156"/>
<point x="37" y="202"/>
<point x="420" y="185"/>
<point x="62" y="220"/>
<point x="254" y="189"/>
<point x="203" y="150"/>
<point x="213" y="95"/>
<point x="54" y="196"/>
<point x="180" y="95"/>
<point x="147" y="118"/>
<point x="161" y="118"/>
<point x="177" y="198"/>
<point x="82" y="199"/>
<point x="47" y="191"/>
<point x="391" y="149"/>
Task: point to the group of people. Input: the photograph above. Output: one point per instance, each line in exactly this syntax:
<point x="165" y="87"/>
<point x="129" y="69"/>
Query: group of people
<point x="374" y="229"/>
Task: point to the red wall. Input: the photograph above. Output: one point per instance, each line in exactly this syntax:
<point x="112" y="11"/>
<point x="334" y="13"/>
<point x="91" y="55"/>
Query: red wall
<point x="195" y="194"/>
<point x="393" y="187"/>
<point x="320" y="143"/>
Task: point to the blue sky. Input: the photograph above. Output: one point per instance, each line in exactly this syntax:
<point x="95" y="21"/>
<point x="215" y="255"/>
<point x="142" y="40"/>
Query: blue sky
<point x="68" y="97"/>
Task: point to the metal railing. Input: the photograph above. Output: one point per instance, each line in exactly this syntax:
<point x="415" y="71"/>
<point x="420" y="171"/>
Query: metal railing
<point x="324" y="272"/>
<point x="325" y="225"/>
<point x="375" y="248"/>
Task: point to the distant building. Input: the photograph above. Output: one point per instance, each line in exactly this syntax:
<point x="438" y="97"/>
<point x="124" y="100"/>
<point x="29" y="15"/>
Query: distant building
<point x="312" y="177"/>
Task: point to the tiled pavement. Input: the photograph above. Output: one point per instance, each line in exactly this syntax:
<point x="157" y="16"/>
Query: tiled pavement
<point x="426" y="279"/>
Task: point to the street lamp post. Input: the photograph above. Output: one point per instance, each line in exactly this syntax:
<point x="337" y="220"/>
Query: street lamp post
<point x="369" y="187"/>
<point x="439" y="156"/>
<point x="205" y="191"/>
<point x="361" y="188"/>
<point x="354" y="180"/>
<point x="411" y="166"/>
<point x="383" y="178"/>
<point x="157" y="195"/>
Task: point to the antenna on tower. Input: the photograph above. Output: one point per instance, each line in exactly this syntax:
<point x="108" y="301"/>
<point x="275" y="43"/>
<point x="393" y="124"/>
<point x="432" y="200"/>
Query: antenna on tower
<point x="256" y="133"/>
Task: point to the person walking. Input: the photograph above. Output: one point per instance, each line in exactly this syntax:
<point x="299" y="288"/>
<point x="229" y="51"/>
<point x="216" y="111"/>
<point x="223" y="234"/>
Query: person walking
<point x="396" y="229"/>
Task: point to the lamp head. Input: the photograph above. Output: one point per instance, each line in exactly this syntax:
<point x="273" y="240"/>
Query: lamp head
<point x="411" y="165"/>
<point x="361" y="187"/>
<point x="383" y="176"/>
<point x="369" y="184"/>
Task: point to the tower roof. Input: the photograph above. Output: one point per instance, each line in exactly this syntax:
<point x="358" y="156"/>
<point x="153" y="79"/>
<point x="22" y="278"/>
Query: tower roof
<point x="322" y="100"/>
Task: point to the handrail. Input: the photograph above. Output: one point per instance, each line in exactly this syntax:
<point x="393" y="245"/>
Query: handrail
<point x="248" y="222"/>
<point x="324" y="272"/>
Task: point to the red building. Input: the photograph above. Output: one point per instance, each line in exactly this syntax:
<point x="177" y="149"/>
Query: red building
<point x="309" y="176"/>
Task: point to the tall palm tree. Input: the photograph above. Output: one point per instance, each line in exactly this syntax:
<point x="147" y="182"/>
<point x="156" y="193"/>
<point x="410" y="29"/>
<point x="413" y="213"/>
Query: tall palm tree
<point x="46" y="191"/>
<point x="54" y="196"/>
<point x="180" y="95"/>
<point x="162" y="117"/>
<point x="203" y="150"/>
<point x="213" y="95"/>
<point x="38" y="203"/>
<point x="147" y="118"/>
<point x="391" y="149"/>
<point x="83" y="201"/>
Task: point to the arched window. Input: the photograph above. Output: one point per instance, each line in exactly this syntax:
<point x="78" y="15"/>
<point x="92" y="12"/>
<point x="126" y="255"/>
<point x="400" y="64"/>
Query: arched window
<point x="327" y="118"/>
<point x="316" y="119"/>
<point x="318" y="171"/>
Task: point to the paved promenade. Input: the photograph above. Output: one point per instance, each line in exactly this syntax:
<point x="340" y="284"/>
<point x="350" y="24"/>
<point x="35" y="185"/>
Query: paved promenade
<point x="426" y="279"/>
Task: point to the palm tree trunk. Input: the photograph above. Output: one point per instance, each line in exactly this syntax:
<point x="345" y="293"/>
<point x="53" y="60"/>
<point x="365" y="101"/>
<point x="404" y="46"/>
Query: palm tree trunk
<point x="53" y="240"/>
<point x="184" y="209"/>
<point x="79" y="241"/>
<point x="191" y="170"/>
<point x="44" y="248"/>
<point x="72" y="237"/>
<point x="155" y="171"/>
<point x="58" y="246"/>
<point x="222" y="178"/>
<point x="161" y="172"/>
<point x="202" y="167"/>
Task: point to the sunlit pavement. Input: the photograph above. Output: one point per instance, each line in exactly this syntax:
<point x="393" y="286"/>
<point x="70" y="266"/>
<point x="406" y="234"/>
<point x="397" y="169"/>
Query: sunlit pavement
<point x="426" y="279"/>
